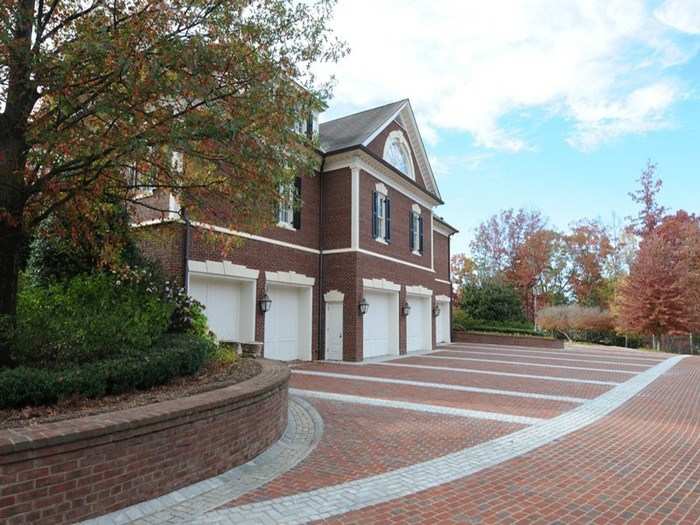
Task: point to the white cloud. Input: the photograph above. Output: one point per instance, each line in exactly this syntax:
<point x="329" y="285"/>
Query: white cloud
<point x="683" y="15"/>
<point x="469" y="66"/>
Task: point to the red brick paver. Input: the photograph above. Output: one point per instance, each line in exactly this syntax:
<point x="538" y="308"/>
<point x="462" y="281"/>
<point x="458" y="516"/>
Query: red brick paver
<point x="641" y="464"/>
<point x="360" y="441"/>
<point x="448" y="377"/>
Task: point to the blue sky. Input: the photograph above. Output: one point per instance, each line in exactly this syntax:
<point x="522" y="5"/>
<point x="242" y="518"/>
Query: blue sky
<point x="556" y="106"/>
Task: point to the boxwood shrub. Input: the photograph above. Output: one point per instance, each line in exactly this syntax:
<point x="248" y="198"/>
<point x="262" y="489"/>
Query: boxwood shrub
<point x="172" y="356"/>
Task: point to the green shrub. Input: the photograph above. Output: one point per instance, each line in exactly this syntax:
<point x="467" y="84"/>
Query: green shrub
<point x="87" y="318"/>
<point x="491" y="301"/>
<point x="172" y="356"/>
<point x="462" y="321"/>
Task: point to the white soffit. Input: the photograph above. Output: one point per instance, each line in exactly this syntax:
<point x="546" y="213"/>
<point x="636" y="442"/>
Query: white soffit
<point x="292" y="278"/>
<point x="381" y="284"/>
<point x="222" y="269"/>
<point x="419" y="290"/>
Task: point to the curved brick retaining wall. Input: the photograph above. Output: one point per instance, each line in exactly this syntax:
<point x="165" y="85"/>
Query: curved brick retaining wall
<point x="501" y="339"/>
<point x="71" y="470"/>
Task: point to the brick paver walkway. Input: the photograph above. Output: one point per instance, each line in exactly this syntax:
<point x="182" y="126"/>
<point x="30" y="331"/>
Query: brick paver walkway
<point x="472" y="434"/>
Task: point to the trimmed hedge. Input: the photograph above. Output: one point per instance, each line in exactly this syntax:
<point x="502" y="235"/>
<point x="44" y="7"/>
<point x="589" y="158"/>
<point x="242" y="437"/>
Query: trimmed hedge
<point x="172" y="356"/>
<point x="462" y="321"/>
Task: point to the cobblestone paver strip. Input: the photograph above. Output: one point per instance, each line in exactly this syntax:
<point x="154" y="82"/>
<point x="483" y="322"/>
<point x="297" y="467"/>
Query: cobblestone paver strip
<point x="460" y="388"/>
<point x="507" y="374"/>
<point x="346" y="497"/>
<point x="567" y="353"/>
<point x="303" y="433"/>
<point x="567" y="373"/>
<point x="519" y="406"/>
<point x="445" y="355"/>
<point x="520" y="355"/>
<point x="418" y="407"/>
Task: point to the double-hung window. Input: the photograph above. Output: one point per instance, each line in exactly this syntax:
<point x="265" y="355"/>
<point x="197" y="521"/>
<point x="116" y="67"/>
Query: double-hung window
<point x="381" y="217"/>
<point x="288" y="215"/>
<point x="415" y="231"/>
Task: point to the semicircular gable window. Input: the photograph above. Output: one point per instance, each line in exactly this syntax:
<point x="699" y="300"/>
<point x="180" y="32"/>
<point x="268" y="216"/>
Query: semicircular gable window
<point x="397" y="154"/>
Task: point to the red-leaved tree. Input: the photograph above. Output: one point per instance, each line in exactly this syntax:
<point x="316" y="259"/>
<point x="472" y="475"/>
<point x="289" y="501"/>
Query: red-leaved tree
<point x="660" y="295"/>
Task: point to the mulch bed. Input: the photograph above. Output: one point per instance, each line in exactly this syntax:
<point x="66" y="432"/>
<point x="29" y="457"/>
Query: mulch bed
<point x="212" y="376"/>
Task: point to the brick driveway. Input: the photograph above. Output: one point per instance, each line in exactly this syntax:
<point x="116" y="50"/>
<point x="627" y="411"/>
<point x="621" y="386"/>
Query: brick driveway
<point x="476" y="434"/>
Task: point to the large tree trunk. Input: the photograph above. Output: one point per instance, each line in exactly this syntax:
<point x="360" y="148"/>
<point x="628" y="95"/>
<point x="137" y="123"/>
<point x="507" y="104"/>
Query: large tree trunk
<point x="12" y="202"/>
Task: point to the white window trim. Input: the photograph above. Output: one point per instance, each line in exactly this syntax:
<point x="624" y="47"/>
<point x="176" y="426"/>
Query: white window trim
<point x="290" y="278"/>
<point x="419" y="290"/>
<point x="381" y="215"/>
<point x="416" y="231"/>
<point x="222" y="269"/>
<point x="286" y="207"/>
<point x="334" y="296"/>
<point x="397" y="136"/>
<point x="381" y="284"/>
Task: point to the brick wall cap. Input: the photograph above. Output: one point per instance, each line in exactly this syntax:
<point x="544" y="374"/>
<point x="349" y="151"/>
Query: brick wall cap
<point x="272" y="375"/>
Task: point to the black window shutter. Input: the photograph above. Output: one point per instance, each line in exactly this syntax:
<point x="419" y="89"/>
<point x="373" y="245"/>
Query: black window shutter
<point x="297" y="204"/>
<point x="375" y="222"/>
<point x="387" y="219"/>
<point x="420" y="234"/>
<point x="411" y="231"/>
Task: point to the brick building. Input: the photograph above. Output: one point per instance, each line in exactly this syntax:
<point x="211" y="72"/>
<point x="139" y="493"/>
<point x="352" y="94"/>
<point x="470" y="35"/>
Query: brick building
<point x="365" y="239"/>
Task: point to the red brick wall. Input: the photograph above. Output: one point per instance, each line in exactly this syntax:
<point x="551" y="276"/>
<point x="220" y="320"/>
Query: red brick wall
<point x="164" y="243"/>
<point x="401" y="205"/>
<point x="154" y="207"/>
<point x="340" y="273"/>
<point x="441" y="245"/>
<point x="72" y="470"/>
<point x="371" y="267"/>
<point x="377" y="147"/>
<point x="336" y="209"/>
<point x="514" y="340"/>
<point x="263" y="256"/>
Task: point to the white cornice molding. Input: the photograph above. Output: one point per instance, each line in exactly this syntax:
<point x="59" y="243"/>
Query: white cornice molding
<point x="419" y="290"/>
<point x="252" y="237"/>
<point x="334" y="296"/>
<point x="443" y="281"/>
<point x="379" y="255"/>
<point x="388" y="121"/>
<point x="441" y="228"/>
<point x="360" y="159"/>
<point x="292" y="278"/>
<point x="221" y="269"/>
<point x="442" y="299"/>
<point x="408" y="121"/>
<point x="381" y="188"/>
<point x="381" y="284"/>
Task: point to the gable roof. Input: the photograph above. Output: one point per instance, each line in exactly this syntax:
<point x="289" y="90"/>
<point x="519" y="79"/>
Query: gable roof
<point x="359" y="129"/>
<point x="353" y="130"/>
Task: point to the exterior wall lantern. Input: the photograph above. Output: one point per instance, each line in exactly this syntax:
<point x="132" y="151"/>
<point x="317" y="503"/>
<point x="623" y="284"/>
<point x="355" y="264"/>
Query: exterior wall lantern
<point x="364" y="306"/>
<point x="265" y="303"/>
<point x="406" y="309"/>
<point x="436" y="310"/>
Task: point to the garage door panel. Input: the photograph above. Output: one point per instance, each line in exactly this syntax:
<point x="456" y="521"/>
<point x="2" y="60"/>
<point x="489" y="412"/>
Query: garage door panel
<point x="222" y="301"/>
<point x="378" y="325"/>
<point x="286" y="324"/>
<point x="417" y="324"/>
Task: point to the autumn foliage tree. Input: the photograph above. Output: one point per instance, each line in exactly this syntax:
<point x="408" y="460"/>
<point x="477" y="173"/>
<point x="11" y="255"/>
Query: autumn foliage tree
<point x="91" y="90"/>
<point x="660" y="295"/>
<point x="588" y="247"/>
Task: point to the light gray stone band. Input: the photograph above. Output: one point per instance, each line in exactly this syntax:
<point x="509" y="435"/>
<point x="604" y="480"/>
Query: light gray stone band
<point x="577" y="352"/>
<point x="301" y="436"/>
<point x="517" y="353"/>
<point x="523" y="363"/>
<point x="442" y="386"/>
<point x="418" y="407"/>
<point x="374" y="490"/>
<point x="507" y="374"/>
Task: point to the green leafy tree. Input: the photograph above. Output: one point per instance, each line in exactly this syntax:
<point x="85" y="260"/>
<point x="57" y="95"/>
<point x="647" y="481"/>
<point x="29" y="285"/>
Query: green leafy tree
<point x="92" y="90"/>
<point x="491" y="301"/>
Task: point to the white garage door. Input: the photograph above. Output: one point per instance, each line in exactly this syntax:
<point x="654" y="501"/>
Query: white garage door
<point x="222" y="301"/>
<point x="287" y="324"/>
<point x="418" y="322"/>
<point x="443" y="323"/>
<point x="377" y="325"/>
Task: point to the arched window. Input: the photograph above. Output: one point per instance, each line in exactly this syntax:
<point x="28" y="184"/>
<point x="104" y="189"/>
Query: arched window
<point x="398" y="154"/>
